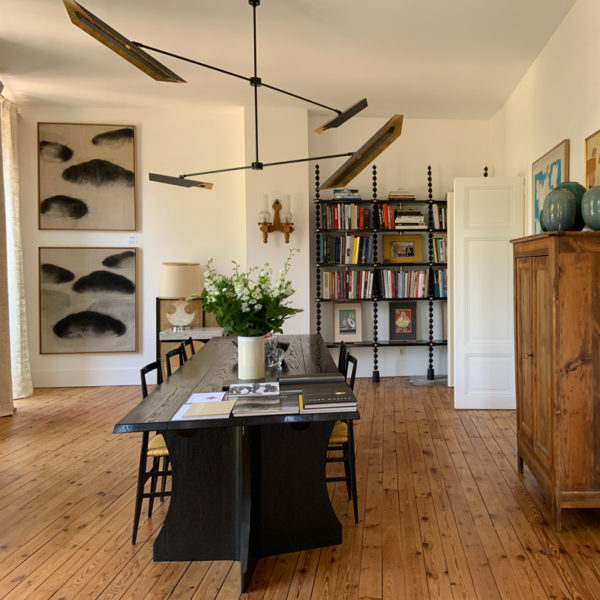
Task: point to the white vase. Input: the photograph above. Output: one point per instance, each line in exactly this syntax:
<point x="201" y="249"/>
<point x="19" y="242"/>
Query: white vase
<point x="251" y="357"/>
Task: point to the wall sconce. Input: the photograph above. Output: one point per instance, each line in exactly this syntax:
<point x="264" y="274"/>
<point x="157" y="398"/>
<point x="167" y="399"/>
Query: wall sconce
<point x="281" y="220"/>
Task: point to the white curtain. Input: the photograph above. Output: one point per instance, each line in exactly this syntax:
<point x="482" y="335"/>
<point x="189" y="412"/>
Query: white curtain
<point x="19" y="346"/>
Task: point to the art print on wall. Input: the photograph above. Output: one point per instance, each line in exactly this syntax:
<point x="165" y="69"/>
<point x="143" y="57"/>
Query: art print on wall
<point x="546" y="173"/>
<point x="87" y="300"/>
<point x="592" y="160"/>
<point x="86" y="176"/>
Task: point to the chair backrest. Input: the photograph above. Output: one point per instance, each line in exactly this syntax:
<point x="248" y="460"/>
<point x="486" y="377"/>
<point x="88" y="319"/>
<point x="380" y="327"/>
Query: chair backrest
<point x="170" y="354"/>
<point x="189" y="342"/>
<point x="153" y="366"/>
<point x="351" y="360"/>
<point x="342" y="361"/>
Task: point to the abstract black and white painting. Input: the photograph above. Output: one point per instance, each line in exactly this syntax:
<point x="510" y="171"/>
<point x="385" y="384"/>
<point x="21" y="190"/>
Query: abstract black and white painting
<point x="86" y="176"/>
<point x="87" y="300"/>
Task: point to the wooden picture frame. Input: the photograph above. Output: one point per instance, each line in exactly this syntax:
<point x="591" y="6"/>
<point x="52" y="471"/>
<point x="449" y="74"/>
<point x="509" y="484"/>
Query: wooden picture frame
<point x="592" y="160"/>
<point x="403" y="321"/>
<point x="347" y="322"/>
<point x="402" y="248"/>
<point x="86" y="177"/>
<point x="546" y="173"/>
<point x="88" y="300"/>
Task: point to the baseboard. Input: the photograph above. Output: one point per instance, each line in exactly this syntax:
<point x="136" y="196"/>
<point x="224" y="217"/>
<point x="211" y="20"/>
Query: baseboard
<point x="486" y="403"/>
<point x="85" y="377"/>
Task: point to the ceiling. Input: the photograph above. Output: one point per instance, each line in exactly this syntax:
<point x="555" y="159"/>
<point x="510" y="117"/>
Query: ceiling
<point x="421" y="58"/>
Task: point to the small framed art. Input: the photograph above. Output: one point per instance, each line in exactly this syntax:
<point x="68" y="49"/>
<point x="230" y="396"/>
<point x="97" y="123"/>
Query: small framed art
<point x="546" y="173"/>
<point x="347" y="322"/>
<point x="592" y="160"/>
<point x="402" y="249"/>
<point x="403" y="321"/>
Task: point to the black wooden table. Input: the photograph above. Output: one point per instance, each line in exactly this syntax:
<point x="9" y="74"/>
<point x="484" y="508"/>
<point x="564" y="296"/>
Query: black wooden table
<point x="244" y="487"/>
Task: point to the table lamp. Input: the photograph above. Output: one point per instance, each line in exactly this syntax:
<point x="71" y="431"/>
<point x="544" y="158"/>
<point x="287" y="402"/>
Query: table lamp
<point x="179" y="280"/>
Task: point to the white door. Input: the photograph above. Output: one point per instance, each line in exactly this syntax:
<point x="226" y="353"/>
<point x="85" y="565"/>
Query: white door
<point x="488" y="212"/>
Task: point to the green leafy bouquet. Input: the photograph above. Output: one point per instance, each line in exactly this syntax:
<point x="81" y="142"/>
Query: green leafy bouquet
<point x="246" y="306"/>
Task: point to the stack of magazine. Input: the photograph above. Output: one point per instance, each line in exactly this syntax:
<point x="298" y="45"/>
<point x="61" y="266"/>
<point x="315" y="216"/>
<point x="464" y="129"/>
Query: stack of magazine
<point x="263" y="398"/>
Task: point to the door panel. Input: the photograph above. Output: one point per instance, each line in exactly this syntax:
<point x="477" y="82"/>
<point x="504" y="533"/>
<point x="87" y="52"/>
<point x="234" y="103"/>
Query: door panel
<point x="488" y="212"/>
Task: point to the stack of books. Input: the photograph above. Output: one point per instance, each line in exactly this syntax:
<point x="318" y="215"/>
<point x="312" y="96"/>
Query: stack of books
<point x="409" y="218"/>
<point x="259" y="399"/>
<point x="346" y="194"/>
<point x="401" y="195"/>
<point x="327" y="397"/>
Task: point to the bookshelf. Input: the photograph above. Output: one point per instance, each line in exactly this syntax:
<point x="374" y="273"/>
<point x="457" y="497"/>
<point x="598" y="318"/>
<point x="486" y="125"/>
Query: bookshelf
<point x="375" y="252"/>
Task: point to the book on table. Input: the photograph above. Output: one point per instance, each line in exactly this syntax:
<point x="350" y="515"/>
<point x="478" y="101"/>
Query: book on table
<point x="261" y="388"/>
<point x="327" y="398"/>
<point x="205" y="405"/>
<point x="284" y="404"/>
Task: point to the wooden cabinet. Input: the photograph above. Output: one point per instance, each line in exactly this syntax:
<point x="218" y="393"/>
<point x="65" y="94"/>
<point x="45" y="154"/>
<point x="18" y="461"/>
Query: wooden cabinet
<point x="557" y="351"/>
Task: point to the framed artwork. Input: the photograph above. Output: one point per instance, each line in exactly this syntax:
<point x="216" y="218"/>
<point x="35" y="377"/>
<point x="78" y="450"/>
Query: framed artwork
<point x="402" y="248"/>
<point x="592" y="160"/>
<point x="86" y="176"/>
<point x="347" y="318"/>
<point x="546" y="173"/>
<point x="403" y="321"/>
<point x="87" y="300"/>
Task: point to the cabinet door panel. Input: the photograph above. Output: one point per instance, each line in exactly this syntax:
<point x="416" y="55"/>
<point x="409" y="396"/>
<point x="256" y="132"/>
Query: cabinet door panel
<point x="524" y="351"/>
<point x="541" y="307"/>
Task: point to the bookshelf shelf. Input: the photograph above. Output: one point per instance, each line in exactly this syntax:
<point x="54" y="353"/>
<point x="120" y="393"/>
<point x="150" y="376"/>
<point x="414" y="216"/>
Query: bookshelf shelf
<point x="341" y="248"/>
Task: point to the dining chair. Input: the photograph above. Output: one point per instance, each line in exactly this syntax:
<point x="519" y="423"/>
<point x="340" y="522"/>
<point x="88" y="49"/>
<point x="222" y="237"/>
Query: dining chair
<point x="189" y="342"/>
<point x="176" y="352"/>
<point x="342" y="440"/>
<point x="155" y="449"/>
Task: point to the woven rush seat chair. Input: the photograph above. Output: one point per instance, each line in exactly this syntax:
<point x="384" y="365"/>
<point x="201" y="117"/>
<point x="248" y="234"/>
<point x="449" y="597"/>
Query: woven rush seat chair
<point x="153" y="449"/>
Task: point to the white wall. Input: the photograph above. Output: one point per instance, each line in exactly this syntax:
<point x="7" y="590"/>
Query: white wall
<point x="174" y="224"/>
<point x="282" y="136"/>
<point x="453" y="149"/>
<point x="557" y="98"/>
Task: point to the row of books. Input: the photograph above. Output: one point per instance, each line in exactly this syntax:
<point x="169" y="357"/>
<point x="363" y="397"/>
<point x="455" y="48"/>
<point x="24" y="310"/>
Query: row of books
<point x="400" y="283"/>
<point x="345" y="216"/>
<point x="440" y="248"/>
<point x="439" y="217"/>
<point x="352" y="249"/>
<point x="342" y="285"/>
<point x="440" y="287"/>
<point x="261" y="399"/>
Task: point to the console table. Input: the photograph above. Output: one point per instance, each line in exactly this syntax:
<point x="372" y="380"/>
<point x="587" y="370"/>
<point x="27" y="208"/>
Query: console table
<point x="244" y="487"/>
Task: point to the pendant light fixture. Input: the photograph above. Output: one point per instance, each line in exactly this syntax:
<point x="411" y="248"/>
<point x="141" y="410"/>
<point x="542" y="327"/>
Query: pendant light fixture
<point x="134" y="52"/>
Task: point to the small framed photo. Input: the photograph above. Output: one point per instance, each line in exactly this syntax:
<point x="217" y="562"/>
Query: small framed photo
<point x="592" y="160"/>
<point x="347" y="322"/>
<point x="546" y="173"/>
<point x="403" y="321"/>
<point x="402" y="249"/>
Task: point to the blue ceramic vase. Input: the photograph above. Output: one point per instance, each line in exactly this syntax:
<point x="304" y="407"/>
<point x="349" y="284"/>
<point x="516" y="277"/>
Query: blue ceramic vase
<point x="560" y="211"/>
<point x="577" y="190"/>
<point x="590" y="208"/>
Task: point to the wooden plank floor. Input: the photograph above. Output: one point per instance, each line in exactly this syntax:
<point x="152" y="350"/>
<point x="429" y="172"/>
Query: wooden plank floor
<point x="443" y="511"/>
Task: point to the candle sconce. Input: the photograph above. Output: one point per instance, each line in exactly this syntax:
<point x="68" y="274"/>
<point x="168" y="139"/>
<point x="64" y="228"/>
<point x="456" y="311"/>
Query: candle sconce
<point x="282" y="221"/>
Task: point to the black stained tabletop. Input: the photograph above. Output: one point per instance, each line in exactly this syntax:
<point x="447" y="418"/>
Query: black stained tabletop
<point x="306" y="363"/>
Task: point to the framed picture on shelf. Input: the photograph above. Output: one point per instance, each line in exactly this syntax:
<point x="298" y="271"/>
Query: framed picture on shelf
<point x="403" y="321"/>
<point x="546" y="173"/>
<point x="592" y="160"/>
<point x="86" y="176"/>
<point x="87" y="300"/>
<point x="402" y="248"/>
<point x="347" y="318"/>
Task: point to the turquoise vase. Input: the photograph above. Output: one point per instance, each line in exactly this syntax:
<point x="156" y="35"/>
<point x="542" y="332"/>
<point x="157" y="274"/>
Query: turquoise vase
<point x="560" y="211"/>
<point x="590" y="208"/>
<point x="577" y="190"/>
